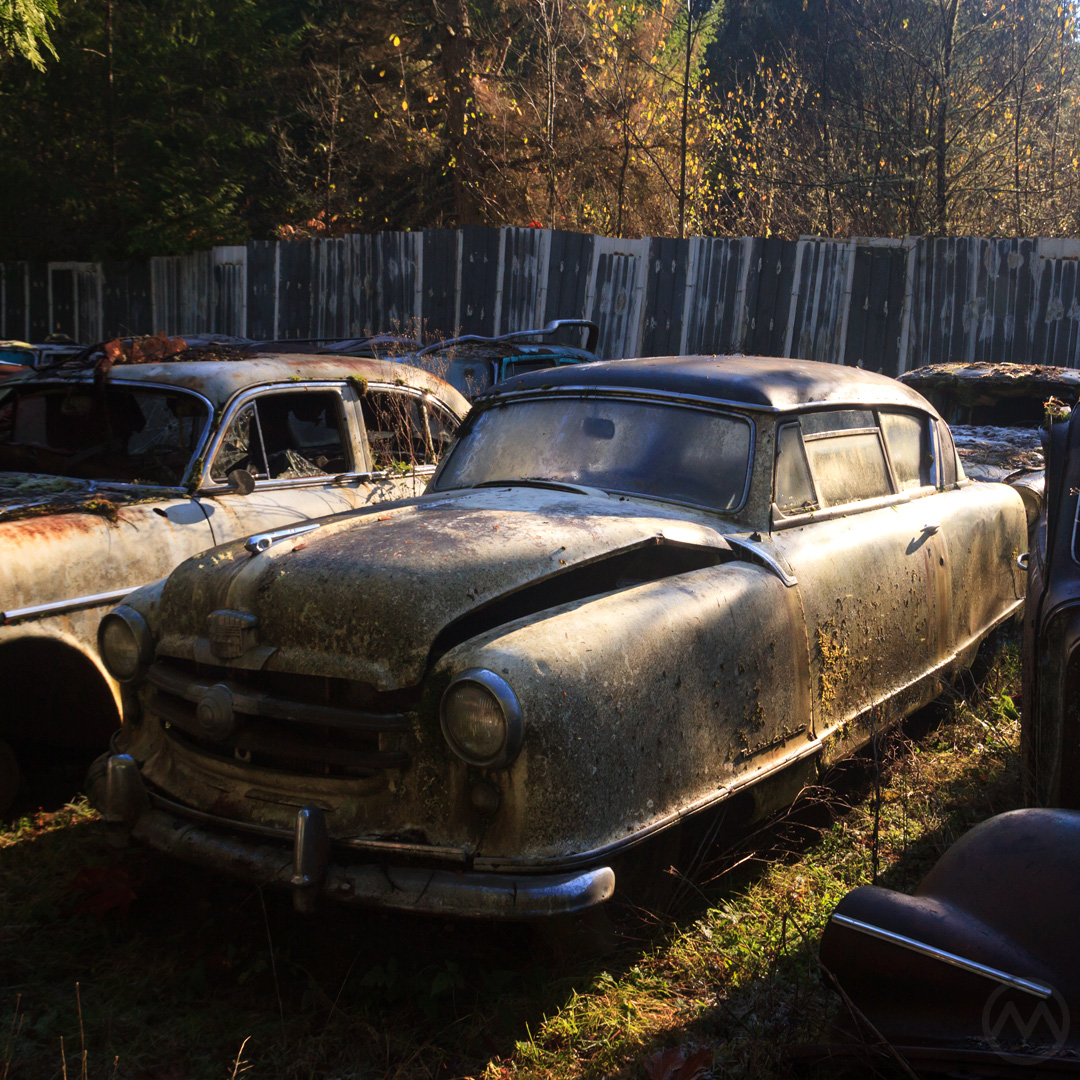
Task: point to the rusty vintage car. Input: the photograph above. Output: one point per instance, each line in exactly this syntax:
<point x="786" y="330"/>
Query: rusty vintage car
<point x="107" y="481"/>
<point x="636" y="596"/>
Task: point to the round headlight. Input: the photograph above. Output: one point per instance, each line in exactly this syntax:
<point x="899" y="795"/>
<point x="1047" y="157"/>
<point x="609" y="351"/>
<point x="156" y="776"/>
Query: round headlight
<point x="482" y="720"/>
<point x="125" y="643"/>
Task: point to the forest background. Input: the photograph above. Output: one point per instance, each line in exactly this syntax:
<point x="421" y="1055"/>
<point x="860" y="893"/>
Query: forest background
<point x="152" y="127"/>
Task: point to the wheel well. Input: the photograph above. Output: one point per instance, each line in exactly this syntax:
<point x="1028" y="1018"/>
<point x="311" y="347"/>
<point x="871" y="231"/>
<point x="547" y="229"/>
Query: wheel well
<point x="54" y="695"/>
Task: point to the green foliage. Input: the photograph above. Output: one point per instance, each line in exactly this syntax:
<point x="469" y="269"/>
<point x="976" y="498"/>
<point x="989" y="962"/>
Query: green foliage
<point x="24" y="29"/>
<point x="152" y="131"/>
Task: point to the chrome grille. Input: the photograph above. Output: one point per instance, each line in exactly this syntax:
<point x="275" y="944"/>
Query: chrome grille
<point x="300" y="724"/>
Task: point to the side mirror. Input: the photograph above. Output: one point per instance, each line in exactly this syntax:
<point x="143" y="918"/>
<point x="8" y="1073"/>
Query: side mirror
<point x="241" y="481"/>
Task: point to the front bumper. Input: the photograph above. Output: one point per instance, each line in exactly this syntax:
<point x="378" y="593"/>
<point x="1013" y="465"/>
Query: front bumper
<point x="308" y="869"/>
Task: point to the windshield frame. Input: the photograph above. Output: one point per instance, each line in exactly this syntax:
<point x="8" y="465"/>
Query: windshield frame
<point x="33" y="380"/>
<point x="674" y="401"/>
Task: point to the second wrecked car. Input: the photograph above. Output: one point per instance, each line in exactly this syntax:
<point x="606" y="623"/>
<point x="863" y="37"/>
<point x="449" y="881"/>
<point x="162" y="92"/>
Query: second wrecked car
<point x="635" y="595"/>
<point x="111" y="476"/>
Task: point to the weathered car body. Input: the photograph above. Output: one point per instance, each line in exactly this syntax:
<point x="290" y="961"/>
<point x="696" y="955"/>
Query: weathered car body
<point x="1050" y="731"/>
<point x="978" y="971"/>
<point x="109" y="481"/>
<point x="634" y="593"/>
<point x="473" y="363"/>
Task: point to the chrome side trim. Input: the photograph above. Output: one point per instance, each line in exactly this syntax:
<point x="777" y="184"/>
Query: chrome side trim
<point x="768" y="555"/>
<point x="261" y="541"/>
<point x="58" y="607"/>
<point x="1028" y="986"/>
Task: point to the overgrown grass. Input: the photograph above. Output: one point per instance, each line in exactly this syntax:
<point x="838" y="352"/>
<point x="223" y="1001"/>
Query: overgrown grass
<point x="160" y="972"/>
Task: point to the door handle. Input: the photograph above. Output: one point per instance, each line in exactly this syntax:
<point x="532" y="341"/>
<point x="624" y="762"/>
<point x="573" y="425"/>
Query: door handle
<point x="1022" y="560"/>
<point x="931" y="527"/>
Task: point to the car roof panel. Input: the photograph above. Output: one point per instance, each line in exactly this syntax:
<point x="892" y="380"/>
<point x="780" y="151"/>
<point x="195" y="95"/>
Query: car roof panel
<point x="758" y="382"/>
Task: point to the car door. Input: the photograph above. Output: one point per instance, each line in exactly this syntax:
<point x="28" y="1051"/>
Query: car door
<point x="301" y="446"/>
<point x="979" y="525"/>
<point x="853" y="503"/>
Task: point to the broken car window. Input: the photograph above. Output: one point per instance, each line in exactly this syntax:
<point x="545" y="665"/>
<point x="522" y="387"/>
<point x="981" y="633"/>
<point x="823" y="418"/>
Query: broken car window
<point x="671" y="452"/>
<point x="285" y="436"/>
<point x="403" y="431"/>
<point x="110" y="432"/>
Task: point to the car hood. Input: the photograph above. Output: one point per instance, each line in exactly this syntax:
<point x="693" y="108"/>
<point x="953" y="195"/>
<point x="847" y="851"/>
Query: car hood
<point x="376" y="596"/>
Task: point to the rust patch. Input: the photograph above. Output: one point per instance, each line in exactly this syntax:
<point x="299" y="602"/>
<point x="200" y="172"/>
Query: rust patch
<point x="50" y="524"/>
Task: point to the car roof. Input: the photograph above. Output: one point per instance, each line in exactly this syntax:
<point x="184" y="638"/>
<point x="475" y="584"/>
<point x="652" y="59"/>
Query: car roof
<point x="757" y="382"/>
<point x="220" y="380"/>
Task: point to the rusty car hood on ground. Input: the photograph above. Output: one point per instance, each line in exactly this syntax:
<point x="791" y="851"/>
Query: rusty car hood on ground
<point x="369" y="596"/>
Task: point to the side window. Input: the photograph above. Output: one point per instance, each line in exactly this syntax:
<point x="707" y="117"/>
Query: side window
<point x="846" y="457"/>
<point x="951" y="469"/>
<point x="907" y="438"/>
<point x="403" y="431"/>
<point x="794" y="490"/>
<point x="286" y="436"/>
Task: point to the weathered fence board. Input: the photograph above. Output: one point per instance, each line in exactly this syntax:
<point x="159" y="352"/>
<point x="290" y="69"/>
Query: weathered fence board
<point x="880" y="303"/>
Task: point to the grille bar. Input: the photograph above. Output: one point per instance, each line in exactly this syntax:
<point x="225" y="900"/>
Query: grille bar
<point x="254" y="703"/>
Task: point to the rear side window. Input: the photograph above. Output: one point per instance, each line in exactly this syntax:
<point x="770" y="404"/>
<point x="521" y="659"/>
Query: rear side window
<point x="906" y="436"/>
<point x="404" y="431"/>
<point x="951" y="469"/>
<point x="846" y="456"/>
<point x="794" y="493"/>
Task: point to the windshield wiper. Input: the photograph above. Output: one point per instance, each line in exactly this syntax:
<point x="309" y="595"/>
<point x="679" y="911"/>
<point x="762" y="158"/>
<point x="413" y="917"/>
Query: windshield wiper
<point x="543" y="482"/>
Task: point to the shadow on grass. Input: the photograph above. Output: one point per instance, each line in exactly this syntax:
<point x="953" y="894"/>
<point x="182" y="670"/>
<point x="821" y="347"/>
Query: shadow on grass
<point x="176" y="967"/>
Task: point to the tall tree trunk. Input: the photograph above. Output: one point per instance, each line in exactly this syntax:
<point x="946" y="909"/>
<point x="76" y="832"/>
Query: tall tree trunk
<point x="685" y="118"/>
<point x="941" y="144"/>
<point x="458" y="55"/>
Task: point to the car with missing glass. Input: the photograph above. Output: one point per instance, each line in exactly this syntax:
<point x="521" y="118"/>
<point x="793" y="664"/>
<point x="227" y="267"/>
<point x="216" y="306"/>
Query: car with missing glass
<point x="639" y="601"/>
<point x="113" y="471"/>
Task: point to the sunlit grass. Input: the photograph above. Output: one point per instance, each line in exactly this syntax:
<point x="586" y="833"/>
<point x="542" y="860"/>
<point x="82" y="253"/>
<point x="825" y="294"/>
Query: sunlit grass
<point x="176" y="968"/>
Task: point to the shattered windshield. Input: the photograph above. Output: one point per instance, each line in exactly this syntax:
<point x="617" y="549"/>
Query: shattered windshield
<point x="115" y="433"/>
<point x="666" y="451"/>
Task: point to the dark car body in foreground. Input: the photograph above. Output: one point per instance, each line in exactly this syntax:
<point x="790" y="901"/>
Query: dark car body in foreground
<point x="1050" y="733"/>
<point x="978" y="972"/>
<point x="633" y="595"/>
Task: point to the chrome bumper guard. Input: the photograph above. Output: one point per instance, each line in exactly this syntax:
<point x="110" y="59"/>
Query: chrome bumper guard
<point x="120" y="794"/>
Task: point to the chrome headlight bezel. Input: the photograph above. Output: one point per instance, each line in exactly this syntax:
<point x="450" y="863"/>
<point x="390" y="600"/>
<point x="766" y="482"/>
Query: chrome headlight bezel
<point x="143" y="640"/>
<point x="513" y="719"/>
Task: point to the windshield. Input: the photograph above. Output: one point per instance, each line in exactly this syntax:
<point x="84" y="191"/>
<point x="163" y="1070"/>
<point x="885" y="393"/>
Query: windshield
<point x="115" y="433"/>
<point x="671" y="452"/>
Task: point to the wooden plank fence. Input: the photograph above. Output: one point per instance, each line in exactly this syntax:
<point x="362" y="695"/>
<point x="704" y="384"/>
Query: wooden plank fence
<point x="883" y="304"/>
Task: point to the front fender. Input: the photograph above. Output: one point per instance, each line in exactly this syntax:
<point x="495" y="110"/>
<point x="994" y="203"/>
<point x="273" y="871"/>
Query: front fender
<point x="641" y="704"/>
